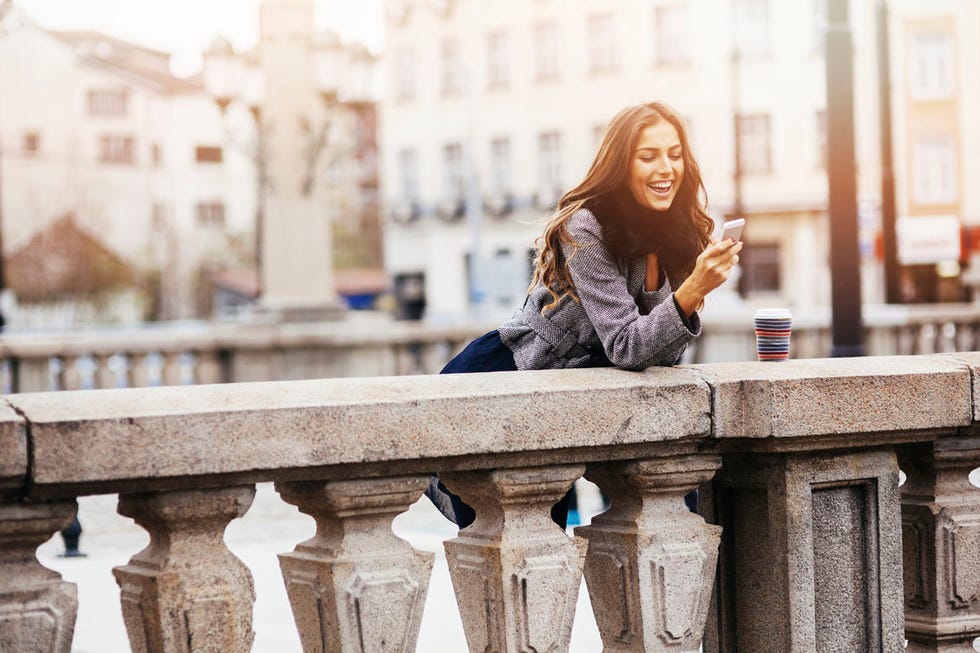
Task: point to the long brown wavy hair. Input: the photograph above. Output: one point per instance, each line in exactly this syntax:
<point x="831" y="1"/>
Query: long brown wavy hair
<point x="609" y="172"/>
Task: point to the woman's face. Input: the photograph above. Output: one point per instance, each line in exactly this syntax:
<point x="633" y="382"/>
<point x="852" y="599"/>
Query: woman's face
<point x="657" y="167"/>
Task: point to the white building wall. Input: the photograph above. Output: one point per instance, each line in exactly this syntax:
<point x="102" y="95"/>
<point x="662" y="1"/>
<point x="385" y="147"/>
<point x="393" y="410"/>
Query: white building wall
<point x="785" y="207"/>
<point x="116" y="201"/>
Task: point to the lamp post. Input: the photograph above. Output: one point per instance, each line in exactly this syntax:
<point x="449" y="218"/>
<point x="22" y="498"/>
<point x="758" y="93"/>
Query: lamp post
<point x="888" y="233"/>
<point x="845" y="257"/>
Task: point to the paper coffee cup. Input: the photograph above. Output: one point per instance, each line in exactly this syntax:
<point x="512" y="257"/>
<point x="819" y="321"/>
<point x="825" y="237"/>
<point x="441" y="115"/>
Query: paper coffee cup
<point x="772" y="333"/>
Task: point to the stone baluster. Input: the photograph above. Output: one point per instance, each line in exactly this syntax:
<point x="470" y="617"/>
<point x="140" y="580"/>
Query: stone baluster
<point x="104" y="377"/>
<point x="515" y="572"/>
<point x="31" y="374"/>
<point x="356" y="587"/>
<point x="171" y="368"/>
<point x="941" y="540"/>
<point x="650" y="566"/>
<point x="405" y="361"/>
<point x="69" y="378"/>
<point x="811" y="557"/>
<point x="137" y="373"/>
<point x="927" y="337"/>
<point x="37" y="607"/>
<point x="965" y="334"/>
<point x="186" y="592"/>
<point x="207" y="368"/>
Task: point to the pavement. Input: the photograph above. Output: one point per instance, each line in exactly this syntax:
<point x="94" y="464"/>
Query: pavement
<point x="269" y="527"/>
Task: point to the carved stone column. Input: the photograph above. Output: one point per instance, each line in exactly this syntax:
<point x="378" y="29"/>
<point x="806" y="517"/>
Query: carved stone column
<point x="515" y="572"/>
<point x="811" y="556"/>
<point x="651" y="562"/>
<point x="356" y="587"/>
<point x="941" y="541"/>
<point x="186" y="592"/>
<point x="37" y="608"/>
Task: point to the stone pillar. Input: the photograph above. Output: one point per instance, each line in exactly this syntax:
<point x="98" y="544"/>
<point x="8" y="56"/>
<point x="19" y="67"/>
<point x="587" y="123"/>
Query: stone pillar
<point x="355" y="587"/>
<point x="186" y="592"/>
<point x="37" y="608"/>
<point x="811" y="556"/>
<point x="297" y="243"/>
<point x="515" y="572"/>
<point x="650" y="566"/>
<point x="941" y="541"/>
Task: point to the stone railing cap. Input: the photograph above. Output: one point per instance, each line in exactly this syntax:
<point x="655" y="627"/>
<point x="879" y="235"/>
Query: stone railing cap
<point x="817" y="397"/>
<point x="103" y="436"/>
<point x="13" y="449"/>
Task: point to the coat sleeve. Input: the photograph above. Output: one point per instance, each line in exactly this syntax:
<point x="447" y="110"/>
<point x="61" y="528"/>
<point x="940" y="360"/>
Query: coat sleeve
<point x="630" y="340"/>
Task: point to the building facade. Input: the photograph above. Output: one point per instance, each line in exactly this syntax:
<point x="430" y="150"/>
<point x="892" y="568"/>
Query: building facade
<point x="935" y="73"/>
<point x="98" y="129"/>
<point x="488" y="119"/>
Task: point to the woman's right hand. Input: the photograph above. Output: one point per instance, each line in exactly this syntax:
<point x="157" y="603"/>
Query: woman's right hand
<point x="712" y="268"/>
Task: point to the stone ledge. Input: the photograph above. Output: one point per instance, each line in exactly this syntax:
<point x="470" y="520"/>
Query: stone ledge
<point x="972" y="361"/>
<point x="13" y="450"/>
<point x="156" y="433"/>
<point x="822" y="397"/>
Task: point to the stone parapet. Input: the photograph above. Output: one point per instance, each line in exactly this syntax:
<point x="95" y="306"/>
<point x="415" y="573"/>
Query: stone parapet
<point x="797" y="464"/>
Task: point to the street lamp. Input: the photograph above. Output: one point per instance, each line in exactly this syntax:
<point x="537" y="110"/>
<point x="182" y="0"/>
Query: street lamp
<point x="845" y="257"/>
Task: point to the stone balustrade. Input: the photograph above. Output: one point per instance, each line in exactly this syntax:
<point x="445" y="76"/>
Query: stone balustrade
<point x="373" y="346"/>
<point x="806" y="541"/>
<point x="226" y="352"/>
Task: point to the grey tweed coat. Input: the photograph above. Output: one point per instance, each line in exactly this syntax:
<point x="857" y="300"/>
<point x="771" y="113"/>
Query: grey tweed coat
<point x="617" y="316"/>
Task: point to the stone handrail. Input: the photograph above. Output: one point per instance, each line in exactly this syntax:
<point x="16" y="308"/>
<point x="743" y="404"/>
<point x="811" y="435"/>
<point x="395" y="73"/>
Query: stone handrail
<point x="370" y="346"/>
<point x="220" y="353"/>
<point x="798" y="465"/>
<point x="888" y="330"/>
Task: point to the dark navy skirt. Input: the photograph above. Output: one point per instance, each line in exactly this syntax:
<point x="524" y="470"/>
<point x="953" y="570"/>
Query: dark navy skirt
<point x="485" y="354"/>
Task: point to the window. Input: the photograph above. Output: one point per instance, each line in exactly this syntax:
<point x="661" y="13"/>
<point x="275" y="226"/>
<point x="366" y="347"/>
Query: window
<point x="934" y="178"/>
<point x="931" y="65"/>
<point x="210" y="214"/>
<point x="208" y="154"/>
<point x="498" y="68"/>
<point x="672" y="35"/>
<point x="452" y="67"/>
<point x="546" y="52"/>
<point x="404" y="69"/>
<point x="752" y="27"/>
<point x="755" y="156"/>
<point x="107" y="102"/>
<point x="408" y="168"/>
<point x="32" y="143"/>
<point x="117" y="149"/>
<point x="760" y="267"/>
<point x="500" y="166"/>
<point x="455" y="178"/>
<point x="821" y="125"/>
<point x="549" y="161"/>
<point x="602" y="43"/>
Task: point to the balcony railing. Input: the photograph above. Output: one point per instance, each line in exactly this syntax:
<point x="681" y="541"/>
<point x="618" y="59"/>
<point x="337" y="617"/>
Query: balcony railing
<point x="266" y="352"/>
<point x="808" y="544"/>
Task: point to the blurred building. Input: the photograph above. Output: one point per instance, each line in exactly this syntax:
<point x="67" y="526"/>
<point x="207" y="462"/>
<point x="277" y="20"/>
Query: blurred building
<point x="935" y="73"/>
<point x="98" y="128"/>
<point x="311" y="102"/>
<point x="503" y="112"/>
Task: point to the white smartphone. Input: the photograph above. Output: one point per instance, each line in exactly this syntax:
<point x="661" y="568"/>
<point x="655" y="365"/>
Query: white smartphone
<point x="732" y="229"/>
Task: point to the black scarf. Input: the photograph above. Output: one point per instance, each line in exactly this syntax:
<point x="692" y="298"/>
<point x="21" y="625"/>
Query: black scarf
<point x="632" y="231"/>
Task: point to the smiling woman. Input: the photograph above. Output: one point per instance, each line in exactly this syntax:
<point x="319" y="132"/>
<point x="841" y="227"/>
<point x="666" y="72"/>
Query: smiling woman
<point x="622" y="268"/>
